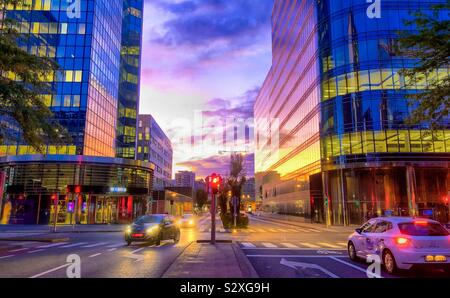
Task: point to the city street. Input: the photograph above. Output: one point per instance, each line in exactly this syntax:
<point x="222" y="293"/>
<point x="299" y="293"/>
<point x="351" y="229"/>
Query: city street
<point x="274" y="249"/>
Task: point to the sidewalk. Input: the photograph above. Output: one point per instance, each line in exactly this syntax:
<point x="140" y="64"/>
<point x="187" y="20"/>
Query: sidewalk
<point x="203" y="260"/>
<point x="45" y="233"/>
<point x="300" y="222"/>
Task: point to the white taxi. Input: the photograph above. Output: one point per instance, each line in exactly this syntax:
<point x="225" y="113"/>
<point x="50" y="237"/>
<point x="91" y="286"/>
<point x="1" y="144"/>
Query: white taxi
<point x="402" y="243"/>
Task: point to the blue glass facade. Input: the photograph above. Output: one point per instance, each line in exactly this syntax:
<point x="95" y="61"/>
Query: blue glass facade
<point x="91" y="98"/>
<point x="370" y="160"/>
<point x="129" y="78"/>
<point x="86" y="45"/>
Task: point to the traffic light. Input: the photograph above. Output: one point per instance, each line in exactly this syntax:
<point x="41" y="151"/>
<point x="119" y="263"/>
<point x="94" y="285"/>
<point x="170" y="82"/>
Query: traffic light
<point x="214" y="182"/>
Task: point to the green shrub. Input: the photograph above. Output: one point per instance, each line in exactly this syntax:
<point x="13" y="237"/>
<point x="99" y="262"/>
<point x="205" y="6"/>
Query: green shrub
<point x="228" y="221"/>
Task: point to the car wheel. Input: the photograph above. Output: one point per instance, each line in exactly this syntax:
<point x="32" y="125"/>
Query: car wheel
<point x="352" y="252"/>
<point x="176" y="238"/>
<point x="389" y="262"/>
<point x="158" y="240"/>
<point x="128" y="242"/>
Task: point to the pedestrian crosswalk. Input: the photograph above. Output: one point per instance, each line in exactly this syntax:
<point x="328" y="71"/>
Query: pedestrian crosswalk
<point x="207" y="228"/>
<point x="293" y="245"/>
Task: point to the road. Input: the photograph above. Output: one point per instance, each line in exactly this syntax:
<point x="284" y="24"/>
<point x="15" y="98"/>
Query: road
<point x="274" y="249"/>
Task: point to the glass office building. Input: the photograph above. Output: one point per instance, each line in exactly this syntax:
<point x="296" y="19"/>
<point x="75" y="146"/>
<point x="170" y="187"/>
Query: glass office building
<point x="88" y="97"/>
<point x="364" y="159"/>
<point x="155" y="147"/>
<point x="130" y="69"/>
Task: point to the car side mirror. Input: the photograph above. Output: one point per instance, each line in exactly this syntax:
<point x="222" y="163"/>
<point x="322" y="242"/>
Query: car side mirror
<point x="359" y="231"/>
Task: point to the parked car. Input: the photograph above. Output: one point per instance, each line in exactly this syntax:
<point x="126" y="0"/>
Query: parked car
<point x="153" y="229"/>
<point x="402" y="243"/>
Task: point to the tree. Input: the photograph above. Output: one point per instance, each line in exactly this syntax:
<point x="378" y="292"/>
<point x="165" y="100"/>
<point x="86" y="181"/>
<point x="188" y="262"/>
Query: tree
<point x="237" y="177"/>
<point x="201" y="197"/>
<point x="22" y="89"/>
<point x="430" y="45"/>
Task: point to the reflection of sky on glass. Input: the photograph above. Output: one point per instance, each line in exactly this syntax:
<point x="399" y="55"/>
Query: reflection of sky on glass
<point x="203" y="55"/>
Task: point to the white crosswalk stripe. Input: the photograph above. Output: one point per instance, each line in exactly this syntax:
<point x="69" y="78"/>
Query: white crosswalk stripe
<point x="269" y="245"/>
<point x="309" y="245"/>
<point x="94" y="245"/>
<point x="289" y="245"/>
<point x="74" y="245"/>
<point x="326" y="244"/>
<point x="115" y="245"/>
<point x="248" y="245"/>
<point x="52" y="245"/>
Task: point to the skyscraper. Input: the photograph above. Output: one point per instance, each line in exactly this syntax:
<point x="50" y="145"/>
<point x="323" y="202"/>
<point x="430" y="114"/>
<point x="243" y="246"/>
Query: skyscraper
<point x="93" y="101"/>
<point x="335" y="104"/>
<point x="130" y="69"/>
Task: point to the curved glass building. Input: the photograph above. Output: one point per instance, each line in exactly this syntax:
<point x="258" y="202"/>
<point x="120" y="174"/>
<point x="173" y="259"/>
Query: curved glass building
<point x="339" y="102"/>
<point x="95" y="95"/>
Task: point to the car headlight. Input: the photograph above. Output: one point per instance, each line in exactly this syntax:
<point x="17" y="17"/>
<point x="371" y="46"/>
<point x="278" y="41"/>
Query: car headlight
<point x="152" y="230"/>
<point x="191" y="222"/>
<point x="128" y="230"/>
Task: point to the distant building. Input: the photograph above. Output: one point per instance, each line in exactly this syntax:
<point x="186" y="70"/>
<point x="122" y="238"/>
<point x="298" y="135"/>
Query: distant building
<point x="185" y="179"/>
<point x="200" y="184"/>
<point x="154" y="146"/>
<point x="248" y="196"/>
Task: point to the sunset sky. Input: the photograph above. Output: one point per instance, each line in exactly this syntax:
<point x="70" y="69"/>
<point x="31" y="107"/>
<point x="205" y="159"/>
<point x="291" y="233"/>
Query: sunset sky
<point x="203" y="59"/>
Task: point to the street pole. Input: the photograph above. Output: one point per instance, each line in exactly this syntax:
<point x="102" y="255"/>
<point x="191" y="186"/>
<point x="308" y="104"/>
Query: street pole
<point x="55" y="219"/>
<point x="235" y="214"/>
<point x="213" y="218"/>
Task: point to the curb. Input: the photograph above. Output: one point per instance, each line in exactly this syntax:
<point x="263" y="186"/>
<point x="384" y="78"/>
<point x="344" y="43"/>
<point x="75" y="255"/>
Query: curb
<point x="30" y="239"/>
<point x="163" y="275"/>
<point x="247" y="269"/>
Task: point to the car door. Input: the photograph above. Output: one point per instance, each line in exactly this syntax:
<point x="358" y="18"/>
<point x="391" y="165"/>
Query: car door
<point x="364" y="238"/>
<point x="375" y="237"/>
<point x="168" y="225"/>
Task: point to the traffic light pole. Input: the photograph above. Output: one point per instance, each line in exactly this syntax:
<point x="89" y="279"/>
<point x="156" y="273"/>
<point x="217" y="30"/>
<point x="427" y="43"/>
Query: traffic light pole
<point x="213" y="218"/>
<point x="55" y="217"/>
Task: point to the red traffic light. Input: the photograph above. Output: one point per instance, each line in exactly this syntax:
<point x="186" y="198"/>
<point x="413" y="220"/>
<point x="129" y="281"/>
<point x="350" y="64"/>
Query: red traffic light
<point x="214" y="182"/>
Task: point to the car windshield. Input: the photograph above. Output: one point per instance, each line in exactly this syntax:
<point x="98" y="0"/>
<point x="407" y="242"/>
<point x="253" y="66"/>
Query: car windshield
<point x="149" y="219"/>
<point x="429" y="229"/>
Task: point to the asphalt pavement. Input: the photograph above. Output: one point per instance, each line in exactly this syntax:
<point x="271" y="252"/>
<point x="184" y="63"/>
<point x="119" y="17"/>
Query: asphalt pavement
<point x="273" y="249"/>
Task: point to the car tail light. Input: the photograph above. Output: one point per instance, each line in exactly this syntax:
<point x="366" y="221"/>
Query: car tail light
<point x="421" y="222"/>
<point x="402" y="241"/>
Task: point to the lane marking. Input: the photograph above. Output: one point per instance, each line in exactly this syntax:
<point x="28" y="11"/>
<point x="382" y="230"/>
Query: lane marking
<point x="292" y="256"/>
<point x="281" y="230"/>
<point x="74" y="244"/>
<point x="34" y="251"/>
<point x="269" y="245"/>
<point x="273" y="230"/>
<point x="116" y="245"/>
<point x="52" y="245"/>
<point x="350" y="265"/>
<point x="342" y="243"/>
<point x="293" y="230"/>
<point x="290" y="245"/>
<point x="248" y="244"/>
<point x="95" y="244"/>
<point x="95" y="255"/>
<point x="309" y="245"/>
<point x="328" y="244"/>
<point x="17" y="250"/>
<point x="51" y="270"/>
<point x="6" y="257"/>
<point x="112" y="249"/>
<point x="137" y="250"/>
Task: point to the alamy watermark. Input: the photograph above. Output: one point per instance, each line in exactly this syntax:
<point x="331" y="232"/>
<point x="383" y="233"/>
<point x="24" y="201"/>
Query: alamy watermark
<point x="73" y="266"/>
<point x="74" y="9"/>
<point x="374" y="9"/>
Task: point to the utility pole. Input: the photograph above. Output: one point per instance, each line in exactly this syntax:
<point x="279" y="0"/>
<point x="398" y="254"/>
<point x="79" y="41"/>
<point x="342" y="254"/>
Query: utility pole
<point x="55" y="215"/>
